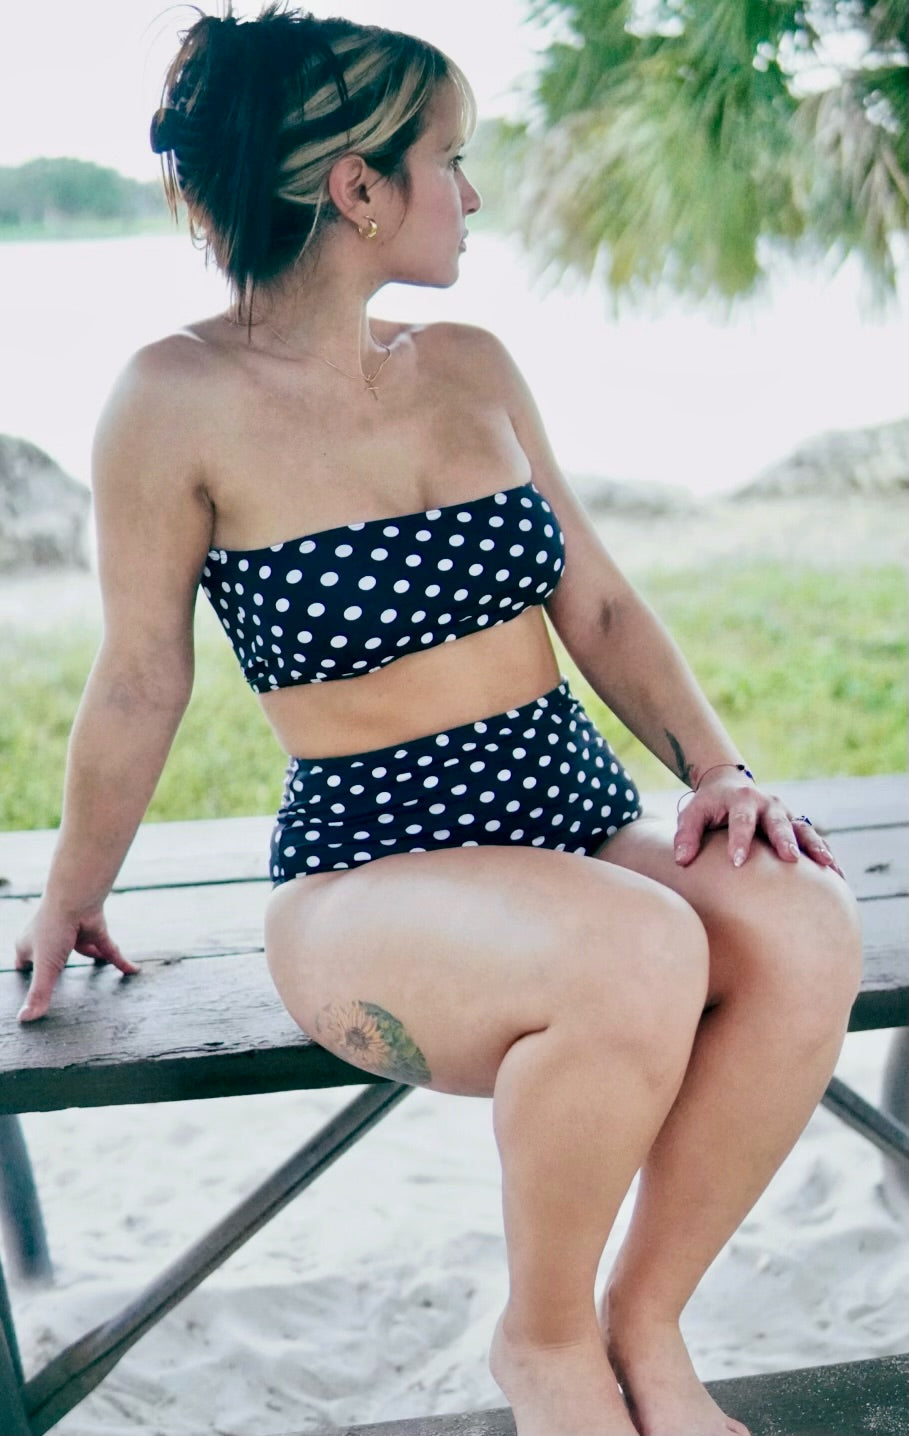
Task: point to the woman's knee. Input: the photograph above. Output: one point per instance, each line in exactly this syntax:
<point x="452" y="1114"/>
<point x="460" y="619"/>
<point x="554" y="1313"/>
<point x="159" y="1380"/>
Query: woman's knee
<point x="797" y="938"/>
<point x="646" y="986"/>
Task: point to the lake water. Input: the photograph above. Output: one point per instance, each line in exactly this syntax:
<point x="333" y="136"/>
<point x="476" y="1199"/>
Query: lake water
<point x="676" y="396"/>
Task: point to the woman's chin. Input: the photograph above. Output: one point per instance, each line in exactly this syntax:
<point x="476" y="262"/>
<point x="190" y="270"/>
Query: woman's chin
<point x="439" y="277"/>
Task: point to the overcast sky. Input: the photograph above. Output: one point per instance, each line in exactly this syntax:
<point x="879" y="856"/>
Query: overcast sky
<point x="83" y="77"/>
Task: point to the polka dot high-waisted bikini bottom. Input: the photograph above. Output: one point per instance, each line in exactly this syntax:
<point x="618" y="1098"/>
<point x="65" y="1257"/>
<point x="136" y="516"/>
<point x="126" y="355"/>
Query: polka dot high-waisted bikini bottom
<point x="541" y="775"/>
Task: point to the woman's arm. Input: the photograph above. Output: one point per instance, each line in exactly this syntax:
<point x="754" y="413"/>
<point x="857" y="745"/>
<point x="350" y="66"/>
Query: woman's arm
<point x="632" y="662"/>
<point x="153" y="521"/>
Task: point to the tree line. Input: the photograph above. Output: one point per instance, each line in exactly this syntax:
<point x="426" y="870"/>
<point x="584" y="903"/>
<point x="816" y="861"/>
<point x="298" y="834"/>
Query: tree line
<point x="47" y="193"/>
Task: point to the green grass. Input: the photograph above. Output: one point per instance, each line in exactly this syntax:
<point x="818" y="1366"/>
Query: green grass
<point x="807" y="669"/>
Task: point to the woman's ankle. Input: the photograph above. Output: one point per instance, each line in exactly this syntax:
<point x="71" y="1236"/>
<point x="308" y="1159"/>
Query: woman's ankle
<point x="545" y="1331"/>
<point x="625" y="1314"/>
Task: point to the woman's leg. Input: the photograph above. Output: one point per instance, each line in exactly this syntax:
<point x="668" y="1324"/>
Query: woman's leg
<point x="566" y="990"/>
<point x="785" y="964"/>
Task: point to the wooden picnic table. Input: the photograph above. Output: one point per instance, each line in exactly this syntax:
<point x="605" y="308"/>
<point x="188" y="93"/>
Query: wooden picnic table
<point x="203" y="1020"/>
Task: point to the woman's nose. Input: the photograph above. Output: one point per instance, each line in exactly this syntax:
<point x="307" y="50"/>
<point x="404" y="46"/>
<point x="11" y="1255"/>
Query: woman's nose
<point x="470" y="198"/>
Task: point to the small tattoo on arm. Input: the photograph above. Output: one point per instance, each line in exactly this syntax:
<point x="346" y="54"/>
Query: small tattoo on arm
<point x="370" y="1037"/>
<point x="682" y="766"/>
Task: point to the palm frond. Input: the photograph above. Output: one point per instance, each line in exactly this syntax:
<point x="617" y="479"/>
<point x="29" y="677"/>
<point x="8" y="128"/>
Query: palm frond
<point x="669" y="139"/>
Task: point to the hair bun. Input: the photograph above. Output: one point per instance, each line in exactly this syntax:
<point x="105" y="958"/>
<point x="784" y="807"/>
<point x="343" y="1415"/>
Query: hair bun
<point x="168" y="129"/>
<point x="254" y="113"/>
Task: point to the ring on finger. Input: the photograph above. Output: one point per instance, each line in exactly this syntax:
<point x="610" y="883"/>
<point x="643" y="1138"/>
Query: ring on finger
<point x="803" y="819"/>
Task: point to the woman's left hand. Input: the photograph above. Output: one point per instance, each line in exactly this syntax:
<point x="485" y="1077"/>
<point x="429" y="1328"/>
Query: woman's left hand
<point x="729" y="799"/>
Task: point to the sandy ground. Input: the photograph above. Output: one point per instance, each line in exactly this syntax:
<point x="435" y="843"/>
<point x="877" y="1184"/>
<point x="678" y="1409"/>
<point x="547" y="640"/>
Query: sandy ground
<point x="374" y="1295"/>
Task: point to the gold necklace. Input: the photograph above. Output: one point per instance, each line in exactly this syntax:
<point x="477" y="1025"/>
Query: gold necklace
<point x="369" y="380"/>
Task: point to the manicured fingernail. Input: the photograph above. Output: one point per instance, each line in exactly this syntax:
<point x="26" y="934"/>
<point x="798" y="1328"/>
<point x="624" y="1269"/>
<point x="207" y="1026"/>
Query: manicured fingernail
<point x="682" y="852"/>
<point x="793" y="848"/>
<point x="738" y="857"/>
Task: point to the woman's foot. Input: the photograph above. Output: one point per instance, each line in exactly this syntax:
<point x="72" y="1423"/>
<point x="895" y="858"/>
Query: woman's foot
<point x="565" y="1390"/>
<point x="660" y="1384"/>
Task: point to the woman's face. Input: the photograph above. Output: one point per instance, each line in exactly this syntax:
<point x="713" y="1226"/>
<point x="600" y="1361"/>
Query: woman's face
<point x="424" y="246"/>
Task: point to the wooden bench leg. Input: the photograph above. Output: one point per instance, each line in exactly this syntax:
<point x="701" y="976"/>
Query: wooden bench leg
<point x="886" y="1132"/>
<point x="895" y="1102"/>
<point x="65" y="1380"/>
<point x="20" y="1208"/>
<point x="13" y="1418"/>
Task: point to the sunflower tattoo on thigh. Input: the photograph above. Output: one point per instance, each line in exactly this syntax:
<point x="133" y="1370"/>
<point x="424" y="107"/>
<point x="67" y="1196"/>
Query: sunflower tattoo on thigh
<point x="370" y="1037"/>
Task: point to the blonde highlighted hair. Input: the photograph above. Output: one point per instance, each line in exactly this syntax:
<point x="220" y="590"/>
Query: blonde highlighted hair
<point x="255" y="113"/>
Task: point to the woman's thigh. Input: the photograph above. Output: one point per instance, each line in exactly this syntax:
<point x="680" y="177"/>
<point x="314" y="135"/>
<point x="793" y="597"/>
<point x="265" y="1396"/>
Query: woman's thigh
<point x="426" y="967"/>
<point x="769" y="920"/>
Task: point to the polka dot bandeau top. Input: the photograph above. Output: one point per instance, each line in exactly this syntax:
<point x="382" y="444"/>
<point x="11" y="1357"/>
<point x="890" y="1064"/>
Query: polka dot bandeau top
<point x="348" y="600"/>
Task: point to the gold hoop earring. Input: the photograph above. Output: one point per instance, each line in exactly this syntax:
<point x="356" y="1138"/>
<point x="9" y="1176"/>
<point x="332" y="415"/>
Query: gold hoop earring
<point x="369" y="230"/>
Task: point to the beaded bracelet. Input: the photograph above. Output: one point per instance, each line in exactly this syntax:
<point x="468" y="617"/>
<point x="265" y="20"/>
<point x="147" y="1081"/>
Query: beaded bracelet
<point x="740" y="767"/>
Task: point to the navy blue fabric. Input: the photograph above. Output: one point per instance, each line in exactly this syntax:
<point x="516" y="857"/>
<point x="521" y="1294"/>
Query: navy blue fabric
<point x="541" y="775"/>
<point x="348" y="600"/>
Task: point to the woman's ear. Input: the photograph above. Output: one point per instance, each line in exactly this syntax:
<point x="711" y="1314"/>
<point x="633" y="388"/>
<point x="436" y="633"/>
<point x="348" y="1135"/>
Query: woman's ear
<point x="350" y="181"/>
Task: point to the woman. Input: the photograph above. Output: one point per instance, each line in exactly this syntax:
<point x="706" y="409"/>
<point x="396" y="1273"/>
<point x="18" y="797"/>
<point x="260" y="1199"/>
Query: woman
<point x="466" y="896"/>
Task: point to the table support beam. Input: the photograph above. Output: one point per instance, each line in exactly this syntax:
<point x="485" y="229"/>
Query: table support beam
<point x="65" y="1380"/>
<point x="20" y="1209"/>
<point x="885" y="1131"/>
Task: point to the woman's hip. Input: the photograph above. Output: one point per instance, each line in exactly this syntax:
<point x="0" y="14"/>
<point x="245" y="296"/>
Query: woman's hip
<point x="540" y="775"/>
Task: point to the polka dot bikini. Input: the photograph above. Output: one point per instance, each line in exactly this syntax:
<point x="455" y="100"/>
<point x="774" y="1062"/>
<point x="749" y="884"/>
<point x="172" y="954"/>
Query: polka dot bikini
<point x="541" y="775"/>
<point x="348" y="600"/>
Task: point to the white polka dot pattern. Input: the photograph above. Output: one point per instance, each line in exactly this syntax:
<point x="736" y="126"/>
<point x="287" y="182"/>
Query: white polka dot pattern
<point x="321" y="608"/>
<point x="541" y="775"/>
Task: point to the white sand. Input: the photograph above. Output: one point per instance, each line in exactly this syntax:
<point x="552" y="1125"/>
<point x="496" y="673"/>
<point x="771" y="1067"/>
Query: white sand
<point x="374" y="1295"/>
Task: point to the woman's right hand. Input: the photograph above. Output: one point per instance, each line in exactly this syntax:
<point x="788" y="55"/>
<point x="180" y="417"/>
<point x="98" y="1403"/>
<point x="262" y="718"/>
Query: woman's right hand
<point x="44" y="948"/>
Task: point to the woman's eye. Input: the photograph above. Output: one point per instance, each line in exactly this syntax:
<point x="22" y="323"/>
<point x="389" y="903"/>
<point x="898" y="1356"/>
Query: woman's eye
<point x="457" y="162"/>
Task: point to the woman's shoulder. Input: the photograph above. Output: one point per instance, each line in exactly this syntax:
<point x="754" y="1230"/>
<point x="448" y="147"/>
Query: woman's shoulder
<point x="153" y="420"/>
<point x="205" y="347"/>
<point x="162" y="386"/>
<point x="443" y="335"/>
<point x="162" y="369"/>
<point x="477" y="353"/>
<point x="192" y="354"/>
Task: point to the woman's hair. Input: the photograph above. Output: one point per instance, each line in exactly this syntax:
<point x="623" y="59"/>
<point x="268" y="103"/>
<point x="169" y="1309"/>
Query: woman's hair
<point x="255" y="113"/>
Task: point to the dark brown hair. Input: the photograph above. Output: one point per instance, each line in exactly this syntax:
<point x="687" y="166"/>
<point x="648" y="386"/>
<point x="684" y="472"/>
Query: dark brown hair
<point x="255" y="113"/>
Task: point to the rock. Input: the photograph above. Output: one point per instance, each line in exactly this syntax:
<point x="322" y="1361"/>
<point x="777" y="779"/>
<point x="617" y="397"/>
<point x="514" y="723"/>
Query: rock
<point x="855" y="461"/>
<point x="645" y="500"/>
<point x="43" y="512"/>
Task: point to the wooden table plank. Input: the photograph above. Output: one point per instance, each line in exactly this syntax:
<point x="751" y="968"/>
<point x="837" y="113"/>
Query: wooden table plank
<point x="192" y="1028"/>
<point x="162" y="854"/>
<point x="153" y="925"/>
<point x="837" y="804"/>
<point x="235" y="849"/>
<point x="206" y="920"/>
<point x="180" y="1030"/>
<point x="111" y="1040"/>
<point x="875" y="860"/>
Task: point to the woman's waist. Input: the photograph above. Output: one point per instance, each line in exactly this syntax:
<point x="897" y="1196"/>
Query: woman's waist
<point x="483" y="673"/>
